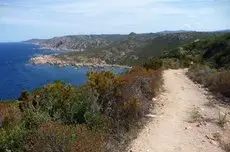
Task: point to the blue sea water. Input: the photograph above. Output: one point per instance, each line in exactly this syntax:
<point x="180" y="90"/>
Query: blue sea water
<point x="17" y="74"/>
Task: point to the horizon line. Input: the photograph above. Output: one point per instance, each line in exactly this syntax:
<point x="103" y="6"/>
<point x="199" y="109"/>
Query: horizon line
<point x="175" y="31"/>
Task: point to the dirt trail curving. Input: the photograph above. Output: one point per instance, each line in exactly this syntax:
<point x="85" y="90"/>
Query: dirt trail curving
<point x="169" y="129"/>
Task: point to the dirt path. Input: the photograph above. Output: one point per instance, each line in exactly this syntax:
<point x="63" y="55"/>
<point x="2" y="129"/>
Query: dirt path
<point x="169" y="130"/>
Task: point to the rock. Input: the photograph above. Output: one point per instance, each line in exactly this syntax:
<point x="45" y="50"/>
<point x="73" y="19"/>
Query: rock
<point x="186" y="128"/>
<point x="213" y="142"/>
<point x="150" y="115"/>
<point x="210" y="138"/>
<point x="154" y="99"/>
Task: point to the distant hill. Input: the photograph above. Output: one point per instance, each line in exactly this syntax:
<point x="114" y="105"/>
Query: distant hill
<point x="134" y="49"/>
<point x="89" y="42"/>
<point x="131" y="49"/>
<point x="35" y="41"/>
<point x="170" y="32"/>
<point x="85" y="42"/>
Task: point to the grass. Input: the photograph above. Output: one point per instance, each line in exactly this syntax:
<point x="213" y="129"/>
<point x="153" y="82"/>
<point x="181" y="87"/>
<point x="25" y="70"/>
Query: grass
<point x="222" y="119"/>
<point x="195" y="115"/>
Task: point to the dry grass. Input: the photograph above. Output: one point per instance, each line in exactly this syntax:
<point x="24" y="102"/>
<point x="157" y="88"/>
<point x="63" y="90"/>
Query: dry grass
<point x="195" y="115"/>
<point x="217" y="82"/>
<point x="222" y="119"/>
<point x="10" y="115"/>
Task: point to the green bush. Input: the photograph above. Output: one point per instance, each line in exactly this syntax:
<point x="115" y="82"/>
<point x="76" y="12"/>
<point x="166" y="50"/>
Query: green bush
<point x="153" y="63"/>
<point x="60" y="117"/>
<point x="12" y="139"/>
<point x="33" y="119"/>
<point x="60" y="102"/>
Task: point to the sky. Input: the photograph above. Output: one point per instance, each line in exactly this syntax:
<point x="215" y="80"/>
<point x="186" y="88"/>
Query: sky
<point x="26" y="19"/>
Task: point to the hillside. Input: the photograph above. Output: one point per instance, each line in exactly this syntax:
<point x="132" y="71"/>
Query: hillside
<point x="85" y="42"/>
<point x="135" y="48"/>
<point x="214" y="51"/>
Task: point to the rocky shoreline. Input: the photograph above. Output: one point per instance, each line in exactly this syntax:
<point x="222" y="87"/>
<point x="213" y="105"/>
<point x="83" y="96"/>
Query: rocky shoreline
<point x="54" y="60"/>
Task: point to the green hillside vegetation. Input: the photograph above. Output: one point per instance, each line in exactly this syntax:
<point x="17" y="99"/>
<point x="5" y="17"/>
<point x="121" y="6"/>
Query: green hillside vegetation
<point x="214" y="52"/>
<point x="209" y="62"/>
<point x="136" y="48"/>
<point x="98" y="116"/>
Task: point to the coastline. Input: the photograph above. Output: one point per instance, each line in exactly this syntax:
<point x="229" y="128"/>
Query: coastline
<point x="53" y="60"/>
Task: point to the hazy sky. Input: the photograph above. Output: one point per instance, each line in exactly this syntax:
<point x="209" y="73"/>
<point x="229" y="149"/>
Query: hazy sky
<point x="25" y="19"/>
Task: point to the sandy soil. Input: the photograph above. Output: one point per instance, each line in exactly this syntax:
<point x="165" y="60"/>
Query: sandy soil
<point x="169" y="129"/>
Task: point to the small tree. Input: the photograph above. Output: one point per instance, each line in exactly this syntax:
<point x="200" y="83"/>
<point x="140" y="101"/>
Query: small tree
<point x="153" y="63"/>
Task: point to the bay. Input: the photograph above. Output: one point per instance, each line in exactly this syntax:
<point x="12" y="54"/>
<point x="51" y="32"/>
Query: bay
<point x="17" y="74"/>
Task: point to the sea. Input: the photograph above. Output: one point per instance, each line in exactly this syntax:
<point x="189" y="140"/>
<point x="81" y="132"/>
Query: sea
<point x="17" y="74"/>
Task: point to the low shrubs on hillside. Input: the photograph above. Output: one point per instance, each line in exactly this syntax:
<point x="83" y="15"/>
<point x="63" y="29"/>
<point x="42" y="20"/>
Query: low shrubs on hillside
<point x="92" y="117"/>
<point x="216" y="81"/>
<point x="153" y="63"/>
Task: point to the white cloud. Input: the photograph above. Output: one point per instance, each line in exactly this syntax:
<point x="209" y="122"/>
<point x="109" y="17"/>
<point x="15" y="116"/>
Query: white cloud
<point x="95" y="14"/>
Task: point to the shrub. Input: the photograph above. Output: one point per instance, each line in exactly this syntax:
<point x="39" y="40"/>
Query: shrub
<point x="33" y="119"/>
<point x="102" y="81"/>
<point x="136" y="73"/>
<point x="200" y="73"/>
<point x="88" y="141"/>
<point x="50" y="137"/>
<point x="96" y="121"/>
<point x="130" y="111"/>
<point x="60" y="102"/>
<point x="12" y="139"/>
<point x="9" y="115"/>
<point x="25" y="99"/>
<point x="60" y="117"/>
<point x="135" y="98"/>
<point x="153" y="63"/>
<point x="171" y="63"/>
<point x="220" y="82"/>
<point x="216" y="81"/>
